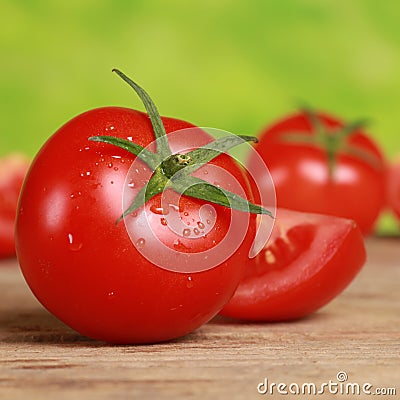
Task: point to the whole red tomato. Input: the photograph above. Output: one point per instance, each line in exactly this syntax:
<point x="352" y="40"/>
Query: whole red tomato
<point x="13" y="169"/>
<point x="393" y="187"/>
<point x="320" y="165"/>
<point x="85" y="268"/>
<point x="308" y="261"/>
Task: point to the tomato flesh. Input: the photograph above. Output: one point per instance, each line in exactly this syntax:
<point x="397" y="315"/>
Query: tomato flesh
<point x="308" y="261"/>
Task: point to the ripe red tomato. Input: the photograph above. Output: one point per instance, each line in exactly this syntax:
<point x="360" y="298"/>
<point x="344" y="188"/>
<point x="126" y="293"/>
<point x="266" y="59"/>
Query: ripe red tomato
<point x="301" y="171"/>
<point x="84" y="268"/>
<point x="13" y="169"/>
<point x="309" y="259"/>
<point x="393" y="188"/>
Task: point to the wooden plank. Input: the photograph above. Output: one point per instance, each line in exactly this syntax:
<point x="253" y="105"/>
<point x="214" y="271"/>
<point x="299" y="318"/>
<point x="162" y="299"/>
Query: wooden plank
<point x="357" y="333"/>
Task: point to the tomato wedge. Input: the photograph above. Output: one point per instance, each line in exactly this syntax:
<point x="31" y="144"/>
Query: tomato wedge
<point x="309" y="260"/>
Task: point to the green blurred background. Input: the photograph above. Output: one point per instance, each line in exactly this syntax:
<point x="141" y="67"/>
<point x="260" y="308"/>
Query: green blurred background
<point x="234" y="65"/>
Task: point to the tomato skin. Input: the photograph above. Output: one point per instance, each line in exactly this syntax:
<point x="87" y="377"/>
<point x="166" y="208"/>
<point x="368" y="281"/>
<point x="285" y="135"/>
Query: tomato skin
<point x="13" y="169"/>
<point x="302" y="182"/>
<point x="314" y="257"/>
<point x="393" y="187"/>
<point x="83" y="267"/>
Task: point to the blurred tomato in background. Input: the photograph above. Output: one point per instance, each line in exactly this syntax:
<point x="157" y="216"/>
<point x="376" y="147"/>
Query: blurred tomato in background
<point x="323" y="165"/>
<point x="13" y="169"/>
<point x="393" y="188"/>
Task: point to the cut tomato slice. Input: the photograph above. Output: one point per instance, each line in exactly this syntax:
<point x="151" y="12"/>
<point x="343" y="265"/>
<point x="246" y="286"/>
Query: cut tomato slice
<point x="308" y="261"/>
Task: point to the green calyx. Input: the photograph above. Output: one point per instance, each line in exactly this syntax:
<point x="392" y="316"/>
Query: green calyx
<point x="332" y="141"/>
<point x="174" y="163"/>
<point x="173" y="171"/>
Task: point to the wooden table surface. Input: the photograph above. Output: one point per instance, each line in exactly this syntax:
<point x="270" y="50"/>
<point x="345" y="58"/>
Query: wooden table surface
<point x="358" y="333"/>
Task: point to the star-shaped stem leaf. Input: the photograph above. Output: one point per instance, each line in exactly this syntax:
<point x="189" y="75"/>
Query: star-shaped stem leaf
<point x="172" y="171"/>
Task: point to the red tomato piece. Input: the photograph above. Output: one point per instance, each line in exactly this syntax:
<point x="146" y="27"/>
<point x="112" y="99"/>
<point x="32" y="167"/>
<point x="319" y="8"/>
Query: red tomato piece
<point x="300" y="170"/>
<point x="84" y="268"/>
<point x="13" y="169"/>
<point x="309" y="260"/>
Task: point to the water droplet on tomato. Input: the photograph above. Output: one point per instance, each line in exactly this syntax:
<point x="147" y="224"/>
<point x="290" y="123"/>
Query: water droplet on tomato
<point x="196" y="231"/>
<point x="164" y="221"/>
<point x="178" y="245"/>
<point x="74" y="244"/>
<point x="201" y="225"/>
<point x="186" y="232"/>
<point x="185" y="213"/>
<point x="175" y="207"/>
<point x="110" y="165"/>
<point x="86" y="173"/>
<point x="131" y="184"/>
<point x="190" y="282"/>
<point x="140" y="243"/>
<point x="75" y="195"/>
<point x="115" y="168"/>
<point x="208" y="222"/>
<point x="158" y="210"/>
<point x="205" y="172"/>
<point x="111" y="294"/>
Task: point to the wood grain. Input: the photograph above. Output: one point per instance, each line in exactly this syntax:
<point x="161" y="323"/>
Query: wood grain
<point x="357" y="333"/>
